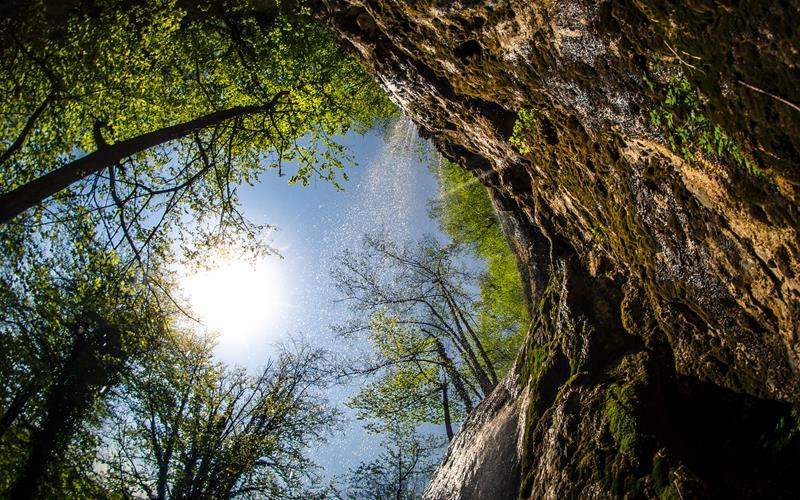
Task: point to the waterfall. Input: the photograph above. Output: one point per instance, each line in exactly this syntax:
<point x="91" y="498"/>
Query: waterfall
<point x="387" y="196"/>
<point x="391" y="189"/>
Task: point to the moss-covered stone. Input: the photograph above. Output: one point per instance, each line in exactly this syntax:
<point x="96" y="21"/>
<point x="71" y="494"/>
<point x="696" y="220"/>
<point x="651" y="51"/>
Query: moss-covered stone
<point x="621" y="417"/>
<point x="690" y="132"/>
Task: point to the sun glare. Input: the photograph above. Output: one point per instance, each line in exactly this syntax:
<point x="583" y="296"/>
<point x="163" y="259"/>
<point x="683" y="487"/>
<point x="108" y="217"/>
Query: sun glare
<point x="237" y="298"/>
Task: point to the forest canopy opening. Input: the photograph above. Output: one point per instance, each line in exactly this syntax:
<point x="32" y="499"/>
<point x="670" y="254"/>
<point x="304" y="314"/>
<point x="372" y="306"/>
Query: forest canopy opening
<point x="130" y="134"/>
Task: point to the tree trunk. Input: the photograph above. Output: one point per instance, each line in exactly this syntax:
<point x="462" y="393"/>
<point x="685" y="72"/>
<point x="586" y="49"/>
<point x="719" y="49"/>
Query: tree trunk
<point x="475" y="339"/>
<point x="16" y="407"/>
<point x="448" y="424"/>
<point x="29" y="195"/>
<point x="453" y="373"/>
<point x="94" y="360"/>
<point x="480" y="374"/>
<point x="399" y="492"/>
<point x="66" y="401"/>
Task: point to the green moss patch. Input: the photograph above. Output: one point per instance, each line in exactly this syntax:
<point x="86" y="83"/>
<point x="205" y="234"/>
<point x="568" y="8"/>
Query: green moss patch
<point x="622" y="422"/>
<point x="690" y="132"/>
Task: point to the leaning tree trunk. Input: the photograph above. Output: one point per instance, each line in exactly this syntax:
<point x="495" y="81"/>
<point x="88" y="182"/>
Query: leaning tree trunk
<point x="453" y="374"/>
<point x="448" y="423"/>
<point x="93" y="363"/>
<point x="36" y="191"/>
<point x="645" y="157"/>
<point x="486" y="383"/>
<point x="474" y="336"/>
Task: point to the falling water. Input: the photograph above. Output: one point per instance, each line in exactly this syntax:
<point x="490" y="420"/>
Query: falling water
<point x="390" y="186"/>
<point x="391" y="196"/>
<point x="388" y="195"/>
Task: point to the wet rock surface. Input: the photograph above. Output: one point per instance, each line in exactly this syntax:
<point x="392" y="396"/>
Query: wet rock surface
<point x="484" y="457"/>
<point x="643" y="157"/>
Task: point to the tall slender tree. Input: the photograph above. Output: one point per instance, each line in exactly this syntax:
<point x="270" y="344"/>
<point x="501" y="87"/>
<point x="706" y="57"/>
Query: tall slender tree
<point x="415" y="304"/>
<point x="467" y="214"/>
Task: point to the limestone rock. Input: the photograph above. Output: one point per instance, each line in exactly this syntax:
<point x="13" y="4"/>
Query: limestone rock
<point x="643" y="155"/>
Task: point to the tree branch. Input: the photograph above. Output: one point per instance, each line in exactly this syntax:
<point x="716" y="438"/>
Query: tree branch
<point x="28" y="195"/>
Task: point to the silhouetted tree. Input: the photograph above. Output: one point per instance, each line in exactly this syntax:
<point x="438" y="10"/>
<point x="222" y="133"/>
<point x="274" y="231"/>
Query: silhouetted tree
<point x="399" y="473"/>
<point x="188" y="427"/>
<point x="70" y="329"/>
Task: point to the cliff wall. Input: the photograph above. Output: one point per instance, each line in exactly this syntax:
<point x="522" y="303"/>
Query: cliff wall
<point x="643" y="157"/>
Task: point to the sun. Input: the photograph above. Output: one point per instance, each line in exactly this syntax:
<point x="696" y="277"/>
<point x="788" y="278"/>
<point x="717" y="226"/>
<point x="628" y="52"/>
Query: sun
<point x="236" y="298"/>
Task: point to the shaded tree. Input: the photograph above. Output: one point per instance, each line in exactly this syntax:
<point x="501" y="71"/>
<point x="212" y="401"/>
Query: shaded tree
<point x="189" y="427"/>
<point x="71" y="325"/>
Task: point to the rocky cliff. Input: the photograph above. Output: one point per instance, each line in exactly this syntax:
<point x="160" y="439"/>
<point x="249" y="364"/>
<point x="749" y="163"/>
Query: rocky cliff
<point x="643" y="157"/>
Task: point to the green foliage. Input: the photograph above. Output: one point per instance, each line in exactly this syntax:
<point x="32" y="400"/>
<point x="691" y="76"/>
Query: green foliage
<point x="399" y="398"/>
<point x="408" y="392"/>
<point x="689" y="130"/>
<point x="193" y="428"/>
<point x="525" y="122"/>
<point x="73" y="320"/>
<point x="118" y="70"/>
<point x="621" y="418"/>
<point x="414" y="305"/>
<point x="466" y="214"/>
<point x="148" y="65"/>
<point x="411" y="295"/>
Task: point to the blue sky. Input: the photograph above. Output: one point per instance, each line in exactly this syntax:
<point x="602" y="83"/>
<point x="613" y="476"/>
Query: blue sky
<point x="388" y="189"/>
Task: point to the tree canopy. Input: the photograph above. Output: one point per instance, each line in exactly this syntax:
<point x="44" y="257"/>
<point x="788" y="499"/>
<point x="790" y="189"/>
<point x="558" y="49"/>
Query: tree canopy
<point x="72" y="322"/>
<point x="416" y="304"/>
<point x="443" y="320"/>
<point x="126" y="128"/>
<point x="186" y="426"/>
<point x="147" y="115"/>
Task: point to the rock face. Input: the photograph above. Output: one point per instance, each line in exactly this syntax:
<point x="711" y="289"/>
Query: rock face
<point x="643" y="157"/>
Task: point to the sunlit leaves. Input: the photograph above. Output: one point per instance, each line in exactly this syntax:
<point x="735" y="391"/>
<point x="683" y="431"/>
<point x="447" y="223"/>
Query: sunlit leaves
<point x="465" y="213"/>
<point x="116" y="71"/>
